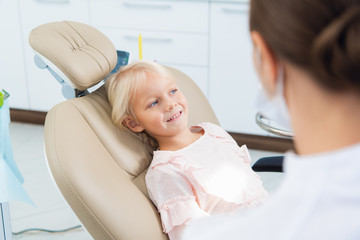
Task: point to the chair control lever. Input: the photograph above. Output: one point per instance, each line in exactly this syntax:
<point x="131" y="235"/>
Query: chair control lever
<point x="269" y="164"/>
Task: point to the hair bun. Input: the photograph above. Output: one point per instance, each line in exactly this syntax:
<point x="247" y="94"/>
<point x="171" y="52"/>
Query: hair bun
<point x="335" y="52"/>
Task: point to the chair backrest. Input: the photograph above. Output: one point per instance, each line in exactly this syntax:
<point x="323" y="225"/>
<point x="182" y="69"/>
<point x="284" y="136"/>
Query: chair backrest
<point x="100" y="169"/>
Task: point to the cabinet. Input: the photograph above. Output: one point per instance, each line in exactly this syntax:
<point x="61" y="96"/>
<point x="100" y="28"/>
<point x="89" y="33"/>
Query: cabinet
<point x="12" y="69"/>
<point x="233" y="81"/>
<point x="174" y="33"/>
<point x="43" y="90"/>
<point x="207" y="40"/>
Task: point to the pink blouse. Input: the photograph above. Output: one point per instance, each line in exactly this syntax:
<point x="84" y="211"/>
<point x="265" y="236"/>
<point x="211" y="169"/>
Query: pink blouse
<point x="210" y="176"/>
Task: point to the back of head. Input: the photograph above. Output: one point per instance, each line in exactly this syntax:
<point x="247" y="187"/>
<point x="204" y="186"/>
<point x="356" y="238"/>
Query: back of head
<point x="319" y="36"/>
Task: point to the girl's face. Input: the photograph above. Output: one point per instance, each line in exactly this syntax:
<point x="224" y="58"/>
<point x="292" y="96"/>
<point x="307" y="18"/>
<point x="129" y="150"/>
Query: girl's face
<point x="160" y="108"/>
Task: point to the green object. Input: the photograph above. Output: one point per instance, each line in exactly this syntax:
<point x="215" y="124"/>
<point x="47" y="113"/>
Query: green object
<point x="1" y="99"/>
<point x="3" y="96"/>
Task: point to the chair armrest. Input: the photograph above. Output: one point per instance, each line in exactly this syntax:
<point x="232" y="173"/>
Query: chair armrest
<point x="269" y="164"/>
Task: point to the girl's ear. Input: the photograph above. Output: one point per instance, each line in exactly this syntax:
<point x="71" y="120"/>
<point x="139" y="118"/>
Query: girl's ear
<point x="265" y="63"/>
<point x="132" y="124"/>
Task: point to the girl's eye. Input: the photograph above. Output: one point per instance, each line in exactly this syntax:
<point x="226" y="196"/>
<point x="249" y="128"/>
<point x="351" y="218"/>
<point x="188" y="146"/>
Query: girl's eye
<point x="153" y="104"/>
<point x="173" y="91"/>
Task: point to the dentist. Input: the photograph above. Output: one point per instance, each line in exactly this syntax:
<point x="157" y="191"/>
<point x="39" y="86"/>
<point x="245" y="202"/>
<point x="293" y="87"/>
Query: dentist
<point x="307" y="55"/>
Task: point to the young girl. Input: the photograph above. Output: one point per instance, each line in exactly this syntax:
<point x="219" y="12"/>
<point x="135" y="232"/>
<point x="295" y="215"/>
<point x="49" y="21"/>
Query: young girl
<point x="195" y="172"/>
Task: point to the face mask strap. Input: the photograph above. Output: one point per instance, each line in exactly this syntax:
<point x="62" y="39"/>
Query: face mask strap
<point x="280" y="80"/>
<point x="258" y="56"/>
<point x="280" y="72"/>
<point x="275" y="108"/>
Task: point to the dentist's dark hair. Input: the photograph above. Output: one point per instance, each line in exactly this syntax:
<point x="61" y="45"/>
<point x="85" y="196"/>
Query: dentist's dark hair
<point x="320" y="36"/>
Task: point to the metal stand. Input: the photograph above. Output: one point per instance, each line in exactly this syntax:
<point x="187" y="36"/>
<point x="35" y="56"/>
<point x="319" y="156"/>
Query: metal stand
<point x="280" y="132"/>
<point x="5" y="226"/>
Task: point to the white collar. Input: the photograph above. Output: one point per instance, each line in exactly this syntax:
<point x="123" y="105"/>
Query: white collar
<point x="331" y="159"/>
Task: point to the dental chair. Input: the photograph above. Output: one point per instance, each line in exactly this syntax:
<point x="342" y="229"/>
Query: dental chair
<point x="99" y="169"/>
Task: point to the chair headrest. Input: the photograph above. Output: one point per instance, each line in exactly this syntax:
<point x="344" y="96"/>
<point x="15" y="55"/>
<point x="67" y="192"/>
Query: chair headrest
<point x="84" y="54"/>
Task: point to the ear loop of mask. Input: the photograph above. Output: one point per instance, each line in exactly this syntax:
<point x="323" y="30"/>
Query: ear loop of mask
<point x="274" y="108"/>
<point x="258" y="62"/>
<point x="258" y="56"/>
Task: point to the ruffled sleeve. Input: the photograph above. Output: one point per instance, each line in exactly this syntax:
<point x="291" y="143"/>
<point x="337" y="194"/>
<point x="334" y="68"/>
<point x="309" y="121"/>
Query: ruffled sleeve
<point x="179" y="211"/>
<point x="173" y="195"/>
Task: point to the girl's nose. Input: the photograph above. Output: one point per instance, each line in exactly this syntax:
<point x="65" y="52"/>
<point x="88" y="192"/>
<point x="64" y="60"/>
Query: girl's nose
<point x="171" y="106"/>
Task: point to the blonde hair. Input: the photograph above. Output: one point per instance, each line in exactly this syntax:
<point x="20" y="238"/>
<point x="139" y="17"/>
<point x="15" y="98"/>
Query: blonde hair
<point x="121" y="88"/>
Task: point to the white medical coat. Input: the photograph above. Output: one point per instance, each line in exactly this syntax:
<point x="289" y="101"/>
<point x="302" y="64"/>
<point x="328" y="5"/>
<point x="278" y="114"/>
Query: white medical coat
<point x="319" y="198"/>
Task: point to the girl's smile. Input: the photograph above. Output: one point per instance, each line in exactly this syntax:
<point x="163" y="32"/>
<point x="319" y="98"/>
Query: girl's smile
<point x="174" y="117"/>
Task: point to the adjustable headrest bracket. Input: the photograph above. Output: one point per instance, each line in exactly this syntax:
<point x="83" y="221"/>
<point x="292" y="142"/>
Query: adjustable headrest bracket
<point x="68" y="91"/>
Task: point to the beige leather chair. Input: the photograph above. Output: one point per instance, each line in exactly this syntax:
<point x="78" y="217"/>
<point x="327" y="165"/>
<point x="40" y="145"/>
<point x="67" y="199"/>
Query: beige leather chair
<point x="98" y="168"/>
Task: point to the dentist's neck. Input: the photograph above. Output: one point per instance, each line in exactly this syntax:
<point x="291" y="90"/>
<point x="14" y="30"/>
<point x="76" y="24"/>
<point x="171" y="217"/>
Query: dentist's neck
<point x="322" y="120"/>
